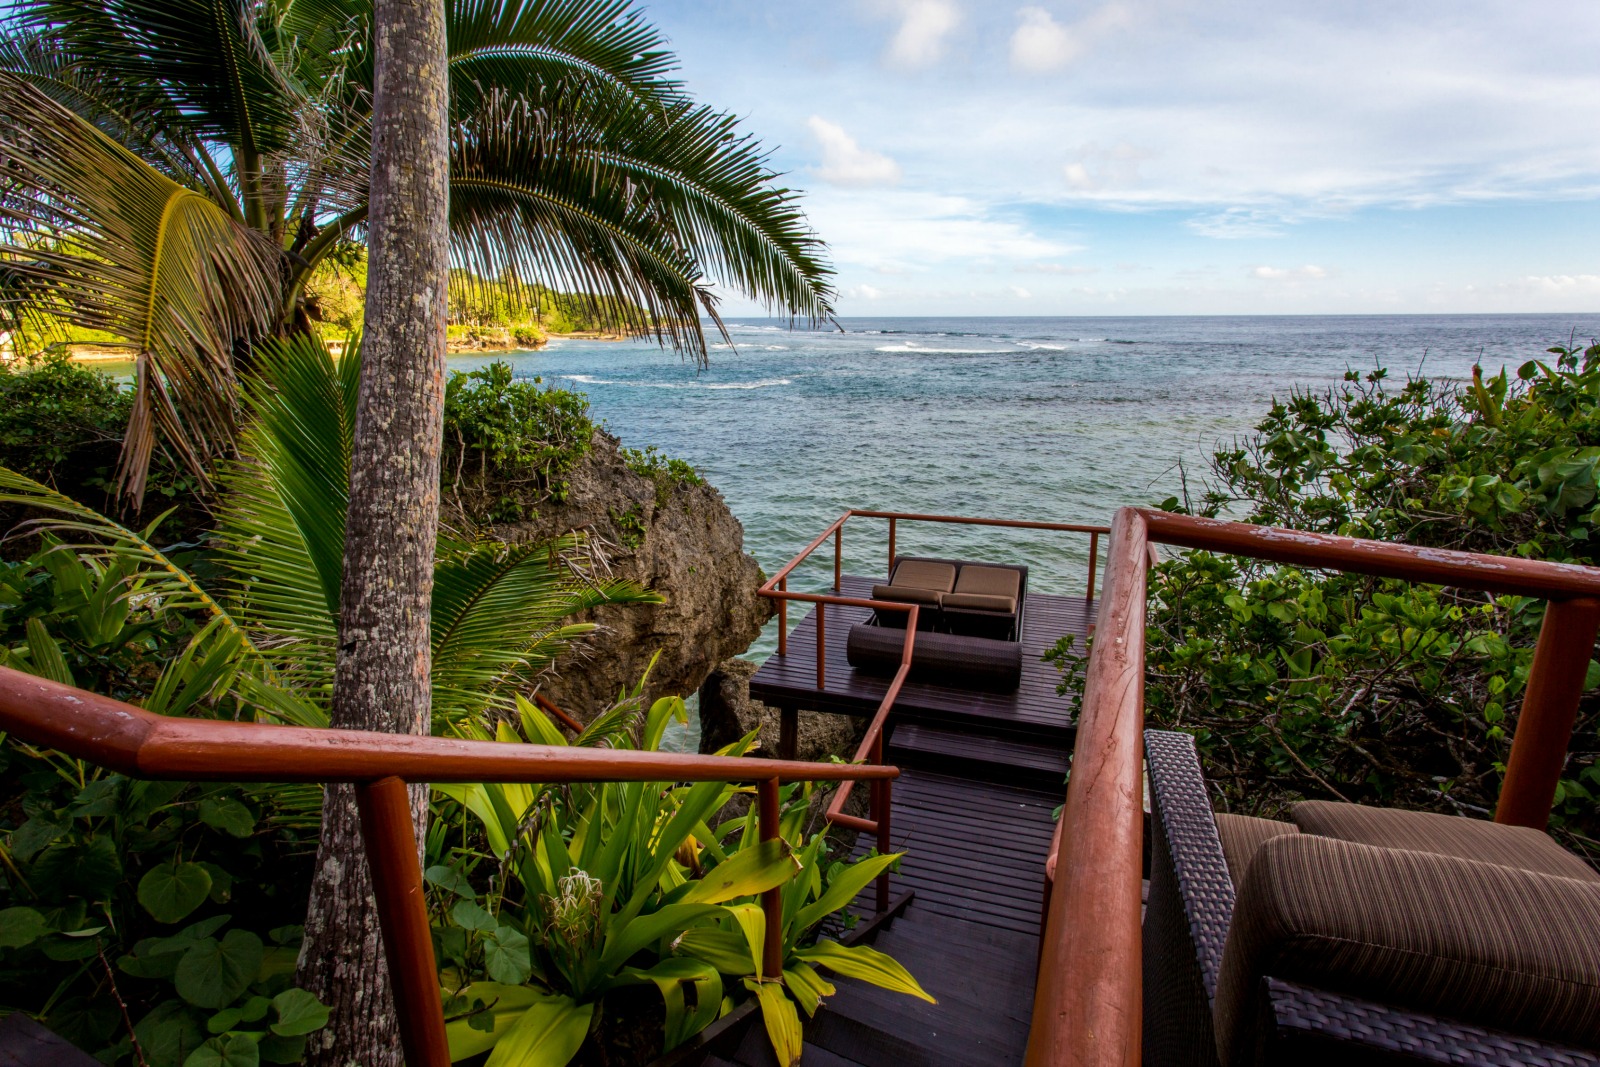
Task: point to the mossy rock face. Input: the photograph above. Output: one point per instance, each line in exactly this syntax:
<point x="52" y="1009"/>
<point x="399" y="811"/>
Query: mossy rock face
<point x="674" y="536"/>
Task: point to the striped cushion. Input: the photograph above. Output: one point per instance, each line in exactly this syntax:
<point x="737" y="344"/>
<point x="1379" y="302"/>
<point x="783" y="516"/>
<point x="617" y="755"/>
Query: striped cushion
<point x="989" y="581"/>
<point x="1241" y="835"/>
<point x="1446" y="835"/>
<point x="924" y="574"/>
<point x="1504" y="948"/>
<point x="906" y="594"/>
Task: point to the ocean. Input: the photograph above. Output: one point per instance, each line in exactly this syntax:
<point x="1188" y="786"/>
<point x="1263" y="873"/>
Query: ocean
<point x="1059" y="419"/>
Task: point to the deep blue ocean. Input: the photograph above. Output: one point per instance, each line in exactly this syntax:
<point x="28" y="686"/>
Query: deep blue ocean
<point x="1060" y="419"/>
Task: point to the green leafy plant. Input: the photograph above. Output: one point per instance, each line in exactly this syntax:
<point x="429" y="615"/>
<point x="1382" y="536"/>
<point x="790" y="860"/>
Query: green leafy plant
<point x="509" y="445"/>
<point x="598" y="889"/>
<point x="1300" y="683"/>
<point x="667" y="472"/>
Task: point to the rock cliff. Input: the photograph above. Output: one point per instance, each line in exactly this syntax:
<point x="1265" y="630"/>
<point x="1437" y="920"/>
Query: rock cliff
<point x="672" y="536"/>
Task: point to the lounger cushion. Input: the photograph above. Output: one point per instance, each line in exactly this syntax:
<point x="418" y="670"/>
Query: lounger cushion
<point x="1504" y="948"/>
<point x="924" y="574"/>
<point x="1445" y="835"/>
<point x="907" y="594"/>
<point x="1241" y="835"/>
<point x="980" y="602"/>
<point x="942" y="659"/>
<point x="989" y="581"/>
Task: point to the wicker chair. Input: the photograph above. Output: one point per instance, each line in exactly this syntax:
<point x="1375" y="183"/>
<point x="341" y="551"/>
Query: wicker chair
<point x="1320" y="963"/>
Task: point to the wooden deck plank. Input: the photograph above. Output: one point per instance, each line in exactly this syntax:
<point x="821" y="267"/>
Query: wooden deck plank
<point x="1034" y="709"/>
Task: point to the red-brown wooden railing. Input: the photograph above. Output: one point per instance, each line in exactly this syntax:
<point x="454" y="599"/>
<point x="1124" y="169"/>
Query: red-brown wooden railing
<point x="870" y="751"/>
<point x="144" y="745"/>
<point x="1087" y="1000"/>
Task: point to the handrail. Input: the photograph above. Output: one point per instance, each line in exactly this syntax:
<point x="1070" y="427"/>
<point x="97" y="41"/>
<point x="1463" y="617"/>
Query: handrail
<point x="141" y="744"/>
<point x="870" y="750"/>
<point x="1087" y="999"/>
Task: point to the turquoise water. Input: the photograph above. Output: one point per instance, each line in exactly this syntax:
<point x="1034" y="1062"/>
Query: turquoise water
<point x="1056" y="419"/>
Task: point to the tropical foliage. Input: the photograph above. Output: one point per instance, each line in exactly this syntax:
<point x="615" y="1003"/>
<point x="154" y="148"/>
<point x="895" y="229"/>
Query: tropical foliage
<point x="593" y="890"/>
<point x="177" y="170"/>
<point x="1307" y="684"/>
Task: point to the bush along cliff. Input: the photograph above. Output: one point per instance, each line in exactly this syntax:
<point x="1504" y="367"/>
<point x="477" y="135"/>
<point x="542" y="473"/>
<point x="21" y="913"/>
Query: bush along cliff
<point x="1302" y="683"/>
<point x="525" y="463"/>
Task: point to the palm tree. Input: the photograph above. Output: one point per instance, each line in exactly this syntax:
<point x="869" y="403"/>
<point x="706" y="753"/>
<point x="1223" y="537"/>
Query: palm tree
<point x="174" y="170"/>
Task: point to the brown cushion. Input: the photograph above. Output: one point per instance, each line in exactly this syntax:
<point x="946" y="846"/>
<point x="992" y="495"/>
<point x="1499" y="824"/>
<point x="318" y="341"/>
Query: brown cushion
<point x="906" y="594"/>
<point x="980" y="603"/>
<point x="989" y="581"/>
<point x="1242" y="835"/>
<point x="1504" y="948"/>
<point x="1445" y="835"/>
<point x="924" y="574"/>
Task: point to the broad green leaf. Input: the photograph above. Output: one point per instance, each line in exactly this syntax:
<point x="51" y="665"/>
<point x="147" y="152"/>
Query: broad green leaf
<point x="503" y="1004"/>
<point x="762" y="866"/>
<point x="807" y="986"/>
<point x="548" y="1034"/>
<point x="230" y="1050"/>
<point x="169" y="892"/>
<point x="752" y="923"/>
<point x="213" y="973"/>
<point x="298" y="1013"/>
<point x="506" y="956"/>
<point x="450" y="880"/>
<point x="169" y="1033"/>
<point x="21" y="926"/>
<point x="623" y="940"/>
<point x="867" y="964"/>
<point x="537" y="725"/>
<point x="727" y="952"/>
<point x="842" y="890"/>
<point x="781" y="1020"/>
<point x="228" y="815"/>
<point x="670" y="977"/>
<point x="470" y="914"/>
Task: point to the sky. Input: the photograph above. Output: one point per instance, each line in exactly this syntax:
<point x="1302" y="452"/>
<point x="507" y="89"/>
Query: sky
<point x="1174" y="157"/>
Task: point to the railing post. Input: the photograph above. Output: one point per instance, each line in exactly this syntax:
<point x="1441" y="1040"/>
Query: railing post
<point x="891" y="551"/>
<point x="1549" y="709"/>
<point x="771" y="899"/>
<point x="838" y="557"/>
<point x="881" y="801"/>
<point x="822" y="644"/>
<point x="783" y="618"/>
<point x="391" y="844"/>
<point x="1094" y="556"/>
<point x="788" y="731"/>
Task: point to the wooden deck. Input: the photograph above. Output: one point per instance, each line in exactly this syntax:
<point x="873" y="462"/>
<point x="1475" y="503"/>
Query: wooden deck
<point x="981" y="776"/>
<point x="790" y="681"/>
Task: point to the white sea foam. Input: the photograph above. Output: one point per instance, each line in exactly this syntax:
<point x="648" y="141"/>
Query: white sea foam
<point x="765" y="383"/>
<point x="908" y="347"/>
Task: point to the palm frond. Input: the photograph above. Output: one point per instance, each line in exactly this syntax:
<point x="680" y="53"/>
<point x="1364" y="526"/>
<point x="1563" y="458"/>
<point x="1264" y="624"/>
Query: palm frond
<point x="283" y="518"/>
<point x="499" y="617"/>
<point x="106" y="241"/>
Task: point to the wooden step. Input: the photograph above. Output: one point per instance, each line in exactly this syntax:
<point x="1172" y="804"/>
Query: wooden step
<point x="1027" y="764"/>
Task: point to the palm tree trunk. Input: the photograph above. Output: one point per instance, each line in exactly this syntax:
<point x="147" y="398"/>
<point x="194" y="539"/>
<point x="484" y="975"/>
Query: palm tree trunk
<point x="381" y="682"/>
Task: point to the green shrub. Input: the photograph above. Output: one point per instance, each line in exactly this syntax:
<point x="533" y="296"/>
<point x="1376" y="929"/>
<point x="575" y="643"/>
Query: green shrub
<point x="668" y="473"/>
<point x="1302" y="683"/>
<point x="509" y="445"/>
<point x="61" y="423"/>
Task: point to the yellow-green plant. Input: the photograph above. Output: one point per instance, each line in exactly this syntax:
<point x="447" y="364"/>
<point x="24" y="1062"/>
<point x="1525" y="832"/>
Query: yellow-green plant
<point x="609" y="885"/>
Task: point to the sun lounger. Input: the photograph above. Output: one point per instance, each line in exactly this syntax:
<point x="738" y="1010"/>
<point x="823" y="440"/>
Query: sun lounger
<point x="1354" y="934"/>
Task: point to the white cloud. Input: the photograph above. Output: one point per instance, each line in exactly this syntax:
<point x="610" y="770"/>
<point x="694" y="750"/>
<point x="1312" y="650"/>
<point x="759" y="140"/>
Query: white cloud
<point x="1019" y="292"/>
<point x="844" y="162"/>
<point x="903" y="231"/>
<point x="1562" y="284"/>
<point x="924" y="24"/>
<point x="1040" y="44"/>
<point x="1309" y="272"/>
<point x="1237" y="223"/>
<point x="862" y="292"/>
<point x="1098" y="169"/>
<point x="1053" y="268"/>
